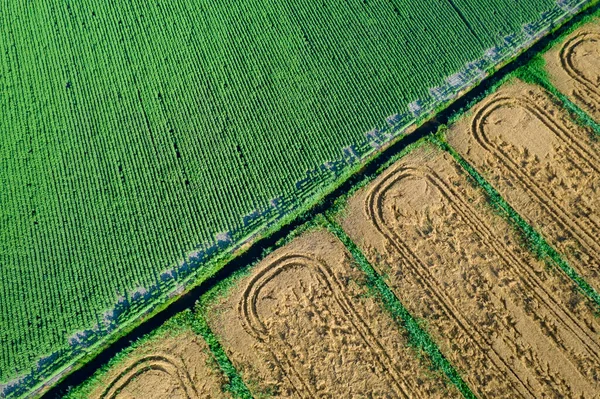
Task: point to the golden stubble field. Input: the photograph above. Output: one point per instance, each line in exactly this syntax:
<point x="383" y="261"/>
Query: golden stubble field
<point x="574" y="68"/>
<point x="174" y="365"/>
<point x="512" y="327"/>
<point x="301" y="326"/>
<point x="543" y="164"/>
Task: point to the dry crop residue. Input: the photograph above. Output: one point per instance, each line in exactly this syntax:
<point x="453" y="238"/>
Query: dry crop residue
<point x="545" y="166"/>
<point x="511" y="327"/>
<point x="300" y="326"/>
<point x="173" y="366"/>
<point x="574" y="67"/>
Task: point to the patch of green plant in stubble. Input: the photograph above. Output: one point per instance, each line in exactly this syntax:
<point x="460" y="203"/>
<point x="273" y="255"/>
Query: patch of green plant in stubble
<point x="418" y="337"/>
<point x="535" y="73"/>
<point x="234" y="385"/>
<point x="532" y="239"/>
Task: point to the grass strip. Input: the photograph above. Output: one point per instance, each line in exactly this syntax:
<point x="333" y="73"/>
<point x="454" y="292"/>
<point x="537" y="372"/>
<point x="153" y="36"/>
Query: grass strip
<point x="534" y="240"/>
<point x="417" y="335"/>
<point x="534" y="73"/>
<point x="236" y="385"/>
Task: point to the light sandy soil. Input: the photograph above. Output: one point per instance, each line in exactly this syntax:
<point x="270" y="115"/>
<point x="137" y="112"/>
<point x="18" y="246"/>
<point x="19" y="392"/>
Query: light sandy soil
<point x="300" y="326"/>
<point x="574" y="67"/>
<point x="176" y="366"/>
<point x="545" y="166"/>
<point x="509" y="325"/>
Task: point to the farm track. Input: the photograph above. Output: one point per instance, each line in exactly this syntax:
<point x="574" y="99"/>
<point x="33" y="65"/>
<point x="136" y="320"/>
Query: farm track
<point x="173" y="366"/>
<point x="300" y="312"/>
<point x="545" y="166"/>
<point x="281" y="350"/>
<point x="574" y="68"/>
<point x="492" y="308"/>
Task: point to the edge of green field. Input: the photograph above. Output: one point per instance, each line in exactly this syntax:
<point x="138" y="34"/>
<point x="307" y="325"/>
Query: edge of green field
<point x="220" y="260"/>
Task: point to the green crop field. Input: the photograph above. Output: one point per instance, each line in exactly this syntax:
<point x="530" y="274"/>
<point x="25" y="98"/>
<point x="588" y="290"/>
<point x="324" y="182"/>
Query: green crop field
<point x="139" y="138"/>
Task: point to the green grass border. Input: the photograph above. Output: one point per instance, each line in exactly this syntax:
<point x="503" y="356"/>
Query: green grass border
<point x="235" y="385"/>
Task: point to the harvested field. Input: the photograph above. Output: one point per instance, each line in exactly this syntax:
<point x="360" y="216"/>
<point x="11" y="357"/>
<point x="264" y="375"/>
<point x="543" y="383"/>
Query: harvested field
<point x="301" y="326"/>
<point x="574" y="67"/>
<point x="545" y="166"/>
<point x="175" y="366"/>
<point x="508" y="324"/>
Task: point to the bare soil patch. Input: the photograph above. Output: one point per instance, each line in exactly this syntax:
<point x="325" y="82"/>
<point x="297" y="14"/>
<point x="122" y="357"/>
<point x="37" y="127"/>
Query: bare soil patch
<point x="508" y="324"/>
<point x="574" y="67"/>
<point x="301" y="326"/>
<point x="544" y="165"/>
<point x="177" y="366"/>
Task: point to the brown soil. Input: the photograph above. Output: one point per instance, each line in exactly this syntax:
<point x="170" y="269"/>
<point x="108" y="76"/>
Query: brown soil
<point x="175" y="366"/>
<point x="545" y="166"/>
<point x="574" y="67"/>
<point x="301" y="326"/>
<point x="509" y="325"/>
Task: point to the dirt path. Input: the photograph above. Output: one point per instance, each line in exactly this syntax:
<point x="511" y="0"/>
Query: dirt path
<point x="545" y="166"/>
<point x="300" y="326"/>
<point x="574" y="67"/>
<point x="174" y="366"/>
<point x="511" y="327"/>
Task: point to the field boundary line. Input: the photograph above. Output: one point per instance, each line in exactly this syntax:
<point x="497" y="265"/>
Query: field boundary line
<point x="235" y="384"/>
